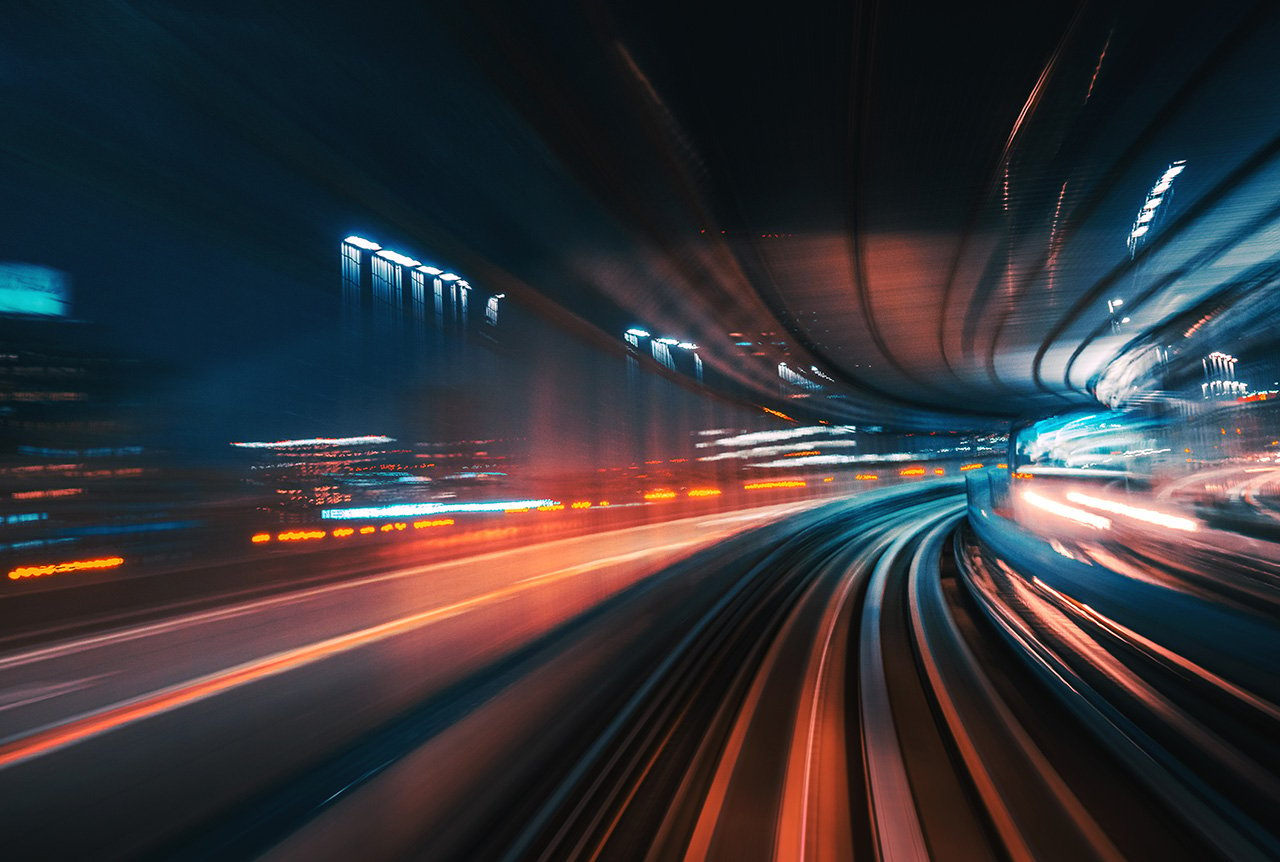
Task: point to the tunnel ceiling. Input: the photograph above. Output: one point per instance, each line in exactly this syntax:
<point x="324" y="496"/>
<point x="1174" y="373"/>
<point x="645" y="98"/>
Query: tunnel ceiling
<point x="937" y="206"/>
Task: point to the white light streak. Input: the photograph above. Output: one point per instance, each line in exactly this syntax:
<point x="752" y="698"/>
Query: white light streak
<point x="361" y="242"/>
<point x="409" y="510"/>
<point x="318" y="441"/>
<point x="1071" y="513"/>
<point x="1150" y="516"/>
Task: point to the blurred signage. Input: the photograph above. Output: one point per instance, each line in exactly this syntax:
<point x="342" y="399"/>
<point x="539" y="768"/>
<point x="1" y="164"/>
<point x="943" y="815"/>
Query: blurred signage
<point x="36" y="290"/>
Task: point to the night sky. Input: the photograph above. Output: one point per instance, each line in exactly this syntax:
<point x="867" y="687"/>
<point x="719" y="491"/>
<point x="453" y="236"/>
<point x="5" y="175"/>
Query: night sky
<point x="193" y="167"/>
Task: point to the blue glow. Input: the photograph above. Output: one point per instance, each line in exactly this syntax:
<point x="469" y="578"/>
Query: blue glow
<point x="29" y="289"/>
<point x="449" y="276"/>
<point x="361" y="242"/>
<point x="638" y="333"/>
<point x="409" y="510"/>
<point x="431" y="270"/>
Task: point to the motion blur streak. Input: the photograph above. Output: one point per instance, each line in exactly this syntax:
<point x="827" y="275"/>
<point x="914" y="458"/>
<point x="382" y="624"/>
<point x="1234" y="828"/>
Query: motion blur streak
<point x="177" y="696"/>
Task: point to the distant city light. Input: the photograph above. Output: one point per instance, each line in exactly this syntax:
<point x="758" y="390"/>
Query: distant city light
<point x="638" y="333"/>
<point x="361" y="242"/>
<point x="317" y="441"/>
<point x="409" y="510"/>
<point x="687" y="345"/>
<point x="449" y="276"/>
<point x="431" y="270"/>
<point x="670" y="341"/>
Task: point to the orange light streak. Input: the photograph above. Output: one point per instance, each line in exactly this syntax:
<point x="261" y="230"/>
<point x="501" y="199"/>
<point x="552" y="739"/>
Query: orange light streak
<point x="911" y="471"/>
<point x="300" y="535"/>
<point x="259" y="538"/>
<point x="660" y="494"/>
<point x="781" y="483"/>
<point x="705" y="492"/>
<point x="63" y="568"/>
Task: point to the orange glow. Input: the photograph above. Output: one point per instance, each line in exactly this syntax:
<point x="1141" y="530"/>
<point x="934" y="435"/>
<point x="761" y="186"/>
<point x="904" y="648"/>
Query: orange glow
<point x="776" y="413"/>
<point x="704" y="492"/>
<point x="805" y="452"/>
<point x="1002" y="466"/>
<point x="259" y="538"/>
<point x="581" y="504"/>
<point x="1022" y="475"/>
<point x="964" y="467"/>
<point x="63" y="568"/>
<point x="660" y="494"/>
<point x="867" y="477"/>
<point x="343" y="532"/>
<point x="387" y="528"/>
<point x="300" y="535"/>
<point x="829" y="479"/>
<point x="911" y="471"/>
<point x="364" y="531"/>
<point x="53" y="492"/>
<point x="554" y="507"/>
<point x="938" y="471"/>
<point x="781" y="483"/>
<point x="439" y="522"/>
<point x="604" y="502"/>
<point x="511" y="511"/>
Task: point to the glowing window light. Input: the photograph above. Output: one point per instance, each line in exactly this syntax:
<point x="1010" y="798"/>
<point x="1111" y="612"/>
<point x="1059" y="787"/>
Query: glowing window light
<point x="397" y="257"/>
<point x="300" y="535"/>
<point x="449" y="276"/>
<point x="705" y="492"/>
<point x="361" y="242"/>
<point x="1062" y="510"/>
<point x="780" y="483"/>
<point x="259" y="538"/>
<point x="1150" y="516"/>
<point x="62" y="568"/>
<point x="660" y="494"/>
<point x="317" y="441"/>
<point x="409" y="510"/>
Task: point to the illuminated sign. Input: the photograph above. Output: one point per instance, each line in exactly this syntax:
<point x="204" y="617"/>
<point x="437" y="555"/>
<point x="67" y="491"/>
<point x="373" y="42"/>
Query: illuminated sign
<point x="36" y="290"/>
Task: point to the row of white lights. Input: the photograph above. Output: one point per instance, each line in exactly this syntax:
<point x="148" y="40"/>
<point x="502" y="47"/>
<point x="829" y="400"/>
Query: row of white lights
<point x="674" y="342"/>
<point x="405" y="260"/>
<point x="1155" y="197"/>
